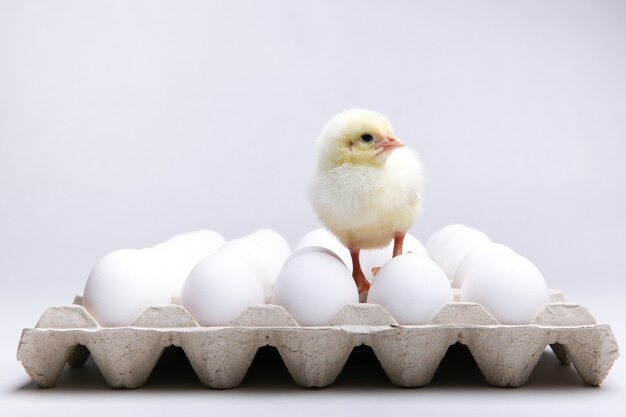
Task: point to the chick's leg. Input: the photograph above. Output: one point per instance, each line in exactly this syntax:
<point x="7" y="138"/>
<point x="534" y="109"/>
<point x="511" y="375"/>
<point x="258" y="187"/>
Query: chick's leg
<point x="362" y="283"/>
<point x="398" y="240"/>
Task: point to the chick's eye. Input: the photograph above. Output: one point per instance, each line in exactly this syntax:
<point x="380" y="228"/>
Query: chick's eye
<point x="366" y="137"/>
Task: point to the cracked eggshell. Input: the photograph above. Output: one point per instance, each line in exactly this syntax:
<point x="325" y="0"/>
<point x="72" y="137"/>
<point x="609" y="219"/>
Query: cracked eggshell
<point x="378" y="257"/>
<point x="508" y="285"/>
<point x="199" y="244"/>
<point x="313" y="287"/>
<point x="411" y="288"/>
<point x="121" y="285"/>
<point x="322" y="237"/>
<point x="219" y="287"/>
<point x="473" y="256"/>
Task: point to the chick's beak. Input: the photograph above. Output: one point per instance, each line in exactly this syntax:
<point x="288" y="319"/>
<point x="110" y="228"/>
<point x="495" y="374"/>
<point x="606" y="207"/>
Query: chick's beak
<point x="390" y="142"/>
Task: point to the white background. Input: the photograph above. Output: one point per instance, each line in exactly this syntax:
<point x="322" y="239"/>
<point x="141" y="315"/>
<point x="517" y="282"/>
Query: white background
<point x="125" y="122"/>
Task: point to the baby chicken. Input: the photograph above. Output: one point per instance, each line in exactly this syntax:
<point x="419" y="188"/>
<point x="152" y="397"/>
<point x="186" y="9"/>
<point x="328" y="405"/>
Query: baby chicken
<point x="367" y="188"/>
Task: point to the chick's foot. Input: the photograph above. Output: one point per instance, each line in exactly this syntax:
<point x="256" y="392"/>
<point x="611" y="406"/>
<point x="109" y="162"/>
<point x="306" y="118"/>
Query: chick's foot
<point x="362" y="284"/>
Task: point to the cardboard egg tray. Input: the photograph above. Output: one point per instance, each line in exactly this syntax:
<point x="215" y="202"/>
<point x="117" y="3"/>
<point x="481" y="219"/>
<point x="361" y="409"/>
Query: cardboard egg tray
<point x="314" y="356"/>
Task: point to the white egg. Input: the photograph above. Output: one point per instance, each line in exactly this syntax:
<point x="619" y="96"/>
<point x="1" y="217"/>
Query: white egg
<point x="308" y="249"/>
<point x="436" y="239"/>
<point x="322" y="237"/>
<point x="313" y="287"/>
<point x="411" y="288"/>
<point x="241" y="250"/>
<point x="508" y="285"/>
<point x="371" y="258"/>
<point x="219" y="287"/>
<point x="121" y="285"/>
<point x="456" y="246"/>
<point x="269" y="247"/>
<point x="473" y="256"/>
<point x="198" y="244"/>
<point x="173" y="265"/>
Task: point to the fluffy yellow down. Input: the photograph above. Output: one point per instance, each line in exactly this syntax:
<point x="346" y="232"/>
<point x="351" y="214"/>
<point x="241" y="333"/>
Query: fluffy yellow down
<point x="360" y="195"/>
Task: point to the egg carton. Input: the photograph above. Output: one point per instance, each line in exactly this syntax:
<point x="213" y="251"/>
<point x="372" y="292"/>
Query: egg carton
<point x="314" y="356"/>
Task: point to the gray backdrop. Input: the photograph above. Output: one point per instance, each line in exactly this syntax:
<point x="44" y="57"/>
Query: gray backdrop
<point x="122" y="123"/>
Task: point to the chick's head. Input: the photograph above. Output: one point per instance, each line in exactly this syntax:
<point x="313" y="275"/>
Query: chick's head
<point x="357" y="136"/>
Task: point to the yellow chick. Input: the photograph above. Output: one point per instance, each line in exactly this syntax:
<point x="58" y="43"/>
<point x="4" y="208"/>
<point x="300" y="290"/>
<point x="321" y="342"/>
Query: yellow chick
<point x="368" y="185"/>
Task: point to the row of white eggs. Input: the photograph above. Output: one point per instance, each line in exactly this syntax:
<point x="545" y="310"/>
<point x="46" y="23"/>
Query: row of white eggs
<point x="508" y="285"/>
<point x="314" y="281"/>
<point x="413" y="287"/>
<point x="126" y="281"/>
<point x="215" y="279"/>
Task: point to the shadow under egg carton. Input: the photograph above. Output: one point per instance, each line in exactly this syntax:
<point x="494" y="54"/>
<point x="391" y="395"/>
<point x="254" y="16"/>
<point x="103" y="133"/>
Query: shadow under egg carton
<point x="314" y="356"/>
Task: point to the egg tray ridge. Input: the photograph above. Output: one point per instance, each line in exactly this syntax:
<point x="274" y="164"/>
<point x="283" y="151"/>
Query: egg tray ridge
<point x="314" y="356"/>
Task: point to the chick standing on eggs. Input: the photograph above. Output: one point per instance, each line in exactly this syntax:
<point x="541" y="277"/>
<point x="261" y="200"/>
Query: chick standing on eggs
<point x="367" y="188"/>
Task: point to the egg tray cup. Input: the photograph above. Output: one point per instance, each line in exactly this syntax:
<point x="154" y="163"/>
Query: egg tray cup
<point x="314" y="356"/>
